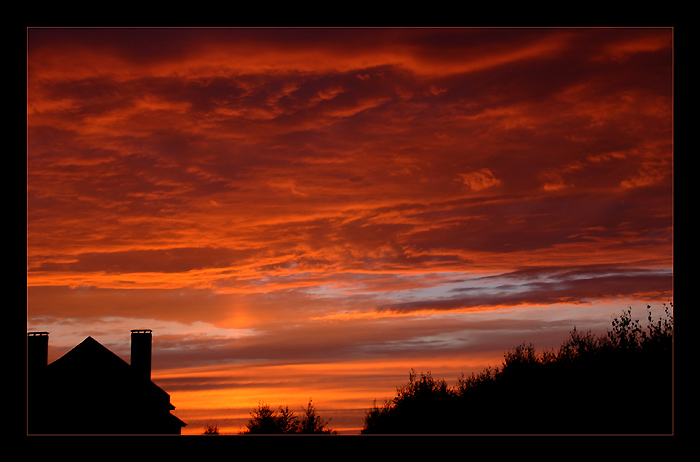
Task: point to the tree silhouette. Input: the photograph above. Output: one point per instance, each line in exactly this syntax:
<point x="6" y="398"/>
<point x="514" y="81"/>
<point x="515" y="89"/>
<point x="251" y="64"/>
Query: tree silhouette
<point x="265" y="420"/>
<point x="421" y="406"/>
<point x="621" y="382"/>
<point x="311" y="423"/>
<point x="211" y="430"/>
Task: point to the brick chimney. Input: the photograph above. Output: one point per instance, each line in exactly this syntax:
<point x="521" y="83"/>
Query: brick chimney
<point x="141" y="352"/>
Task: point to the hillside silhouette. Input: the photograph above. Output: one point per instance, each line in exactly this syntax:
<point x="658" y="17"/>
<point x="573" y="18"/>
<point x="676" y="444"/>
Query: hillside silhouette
<point x="617" y="383"/>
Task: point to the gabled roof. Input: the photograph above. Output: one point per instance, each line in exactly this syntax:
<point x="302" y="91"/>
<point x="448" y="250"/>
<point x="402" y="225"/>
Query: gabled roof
<point x="101" y="372"/>
<point x="90" y="360"/>
<point x="93" y="353"/>
<point x="92" y="390"/>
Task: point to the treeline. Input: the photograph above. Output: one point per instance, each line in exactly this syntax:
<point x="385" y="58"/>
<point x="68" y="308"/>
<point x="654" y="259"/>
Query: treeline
<point x="619" y="383"/>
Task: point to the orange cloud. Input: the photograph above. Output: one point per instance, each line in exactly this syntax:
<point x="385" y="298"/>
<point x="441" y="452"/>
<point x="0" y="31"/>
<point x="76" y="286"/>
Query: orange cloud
<point x="480" y="179"/>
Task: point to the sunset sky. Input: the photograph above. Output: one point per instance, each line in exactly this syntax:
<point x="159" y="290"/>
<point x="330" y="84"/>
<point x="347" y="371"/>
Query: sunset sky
<point x="310" y="213"/>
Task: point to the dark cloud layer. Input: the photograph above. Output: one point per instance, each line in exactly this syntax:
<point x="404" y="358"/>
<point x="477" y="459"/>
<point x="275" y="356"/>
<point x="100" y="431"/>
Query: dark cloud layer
<point x="175" y="260"/>
<point x="575" y="290"/>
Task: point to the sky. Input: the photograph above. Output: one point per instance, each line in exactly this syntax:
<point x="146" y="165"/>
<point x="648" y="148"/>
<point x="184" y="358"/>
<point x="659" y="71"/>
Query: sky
<point x="311" y="213"/>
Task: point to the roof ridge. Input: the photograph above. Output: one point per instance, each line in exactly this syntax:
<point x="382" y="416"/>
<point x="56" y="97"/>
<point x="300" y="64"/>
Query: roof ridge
<point x="92" y="347"/>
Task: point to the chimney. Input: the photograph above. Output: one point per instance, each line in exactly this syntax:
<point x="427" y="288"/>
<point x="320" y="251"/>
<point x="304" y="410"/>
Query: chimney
<point x="37" y="351"/>
<point x="141" y="352"/>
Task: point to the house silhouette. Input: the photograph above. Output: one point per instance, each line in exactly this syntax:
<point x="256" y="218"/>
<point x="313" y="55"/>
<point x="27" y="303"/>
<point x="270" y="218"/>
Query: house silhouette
<point x="91" y="390"/>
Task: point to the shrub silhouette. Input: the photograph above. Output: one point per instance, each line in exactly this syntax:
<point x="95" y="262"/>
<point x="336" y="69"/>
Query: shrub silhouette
<point x="211" y="430"/>
<point x="419" y="407"/>
<point x="265" y="421"/>
<point x="312" y="423"/>
<point x="620" y="383"/>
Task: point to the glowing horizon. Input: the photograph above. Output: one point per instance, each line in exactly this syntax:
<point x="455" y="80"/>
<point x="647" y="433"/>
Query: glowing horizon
<point x="316" y="201"/>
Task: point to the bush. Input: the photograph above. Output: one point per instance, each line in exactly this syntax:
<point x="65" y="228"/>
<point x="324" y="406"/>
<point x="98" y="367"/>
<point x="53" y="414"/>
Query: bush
<point x="282" y="421"/>
<point x="211" y="430"/>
